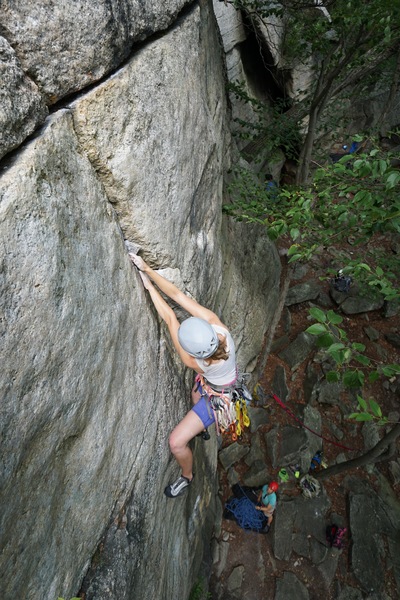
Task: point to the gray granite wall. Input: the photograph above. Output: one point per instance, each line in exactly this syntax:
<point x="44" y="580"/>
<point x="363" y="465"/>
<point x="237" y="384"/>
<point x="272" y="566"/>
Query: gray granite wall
<point x="90" y="383"/>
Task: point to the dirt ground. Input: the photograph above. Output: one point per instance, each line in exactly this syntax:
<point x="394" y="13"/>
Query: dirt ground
<point x="254" y="550"/>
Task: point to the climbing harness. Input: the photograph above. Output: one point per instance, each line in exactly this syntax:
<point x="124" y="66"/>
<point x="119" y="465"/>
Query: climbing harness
<point x="229" y="405"/>
<point x="289" y="412"/>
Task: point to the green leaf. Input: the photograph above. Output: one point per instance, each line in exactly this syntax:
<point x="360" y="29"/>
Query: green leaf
<point x="388" y="371"/>
<point x="346" y="158"/>
<point x="337" y="357"/>
<point x="362" y="416"/>
<point x="294" y="233"/>
<point x="293" y="249"/>
<point x="376" y="409"/>
<point x="352" y="379"/>
<point x="318" y="314"/>
<point x="361" y="377"/>
<point x="382" y="166"/>
<point x="295" y="257"/>
<point x="374" y="376"/>
<point x="347" y="354"/>
<point x="334" y="318"/>
<point x="336" y="347"/>
<point x="357" y="346"/>
<point x="353" y="415"/>
<point x="365" y="267"/>
<point x="362" y="403"/>
<point x="332" y="376"/>
<point x="392" y="180"/>
<point x="316" y="329"/>
<point x="363" y="360"/>
<point x="325" y="340"/>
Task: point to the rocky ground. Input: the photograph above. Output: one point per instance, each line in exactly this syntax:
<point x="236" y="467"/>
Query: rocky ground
<point x="293" y="561"/>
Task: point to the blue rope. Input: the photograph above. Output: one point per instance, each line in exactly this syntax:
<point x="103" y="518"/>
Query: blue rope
<point x="245" y="513"/>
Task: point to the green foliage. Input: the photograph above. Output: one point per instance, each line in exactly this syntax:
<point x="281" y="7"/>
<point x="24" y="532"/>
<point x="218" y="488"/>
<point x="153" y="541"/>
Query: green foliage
<point x="281" y="134"/>
<point x="347" y="35"/>
<point x="352" y="365"/>
<point x="350" y="46"/>
<point x="348" y="202"/>
<point x="198" y="592"/>
<point x="71" y="598"/>
<point x="369" y="410"/>
<point x="347" y="356"/>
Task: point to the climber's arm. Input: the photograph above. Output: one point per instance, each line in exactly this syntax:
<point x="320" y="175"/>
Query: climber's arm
<point x="265" y="509"/>
<point x="168" y="315"/>
<point x="170" y="290"/>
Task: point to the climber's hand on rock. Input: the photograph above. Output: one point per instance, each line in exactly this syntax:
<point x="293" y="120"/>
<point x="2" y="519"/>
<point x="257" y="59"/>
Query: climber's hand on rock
<point x="138" y="262"/>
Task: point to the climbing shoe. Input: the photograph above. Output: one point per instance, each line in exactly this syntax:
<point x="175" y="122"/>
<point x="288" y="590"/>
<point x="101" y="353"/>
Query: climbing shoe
<point x="178" y="487"/>
<point x="204" y="435"/>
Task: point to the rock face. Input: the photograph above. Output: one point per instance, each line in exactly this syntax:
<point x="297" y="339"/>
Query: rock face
<point x="58" y="49"/>
<point x="66" y="47"/>
<point x="92" y="385"/>
<point x="22" y="106"/>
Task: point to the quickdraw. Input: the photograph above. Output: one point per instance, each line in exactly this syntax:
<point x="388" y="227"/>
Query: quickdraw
<point x="229" y="406"/>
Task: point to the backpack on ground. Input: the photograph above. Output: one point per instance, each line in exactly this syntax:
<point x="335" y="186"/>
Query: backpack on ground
<point x="335" y="536"/>
<point x="341" y="282"/>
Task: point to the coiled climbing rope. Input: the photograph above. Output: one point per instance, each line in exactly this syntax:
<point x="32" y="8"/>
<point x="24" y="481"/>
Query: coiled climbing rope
<point x="245" y="513"/>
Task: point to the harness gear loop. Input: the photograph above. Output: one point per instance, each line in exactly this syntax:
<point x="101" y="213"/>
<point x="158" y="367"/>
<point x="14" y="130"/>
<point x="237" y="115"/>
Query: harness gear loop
<point x="238" y="418"/>
<point x="229" y="405"/>
<point x="245" y="414"/>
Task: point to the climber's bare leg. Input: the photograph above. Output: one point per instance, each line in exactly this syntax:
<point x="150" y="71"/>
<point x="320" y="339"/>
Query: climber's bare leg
<point x="186" y="430"/>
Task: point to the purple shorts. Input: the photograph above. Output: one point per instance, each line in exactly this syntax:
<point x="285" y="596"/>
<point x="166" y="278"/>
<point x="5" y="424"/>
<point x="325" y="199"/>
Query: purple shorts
<point x="203" y="410"/>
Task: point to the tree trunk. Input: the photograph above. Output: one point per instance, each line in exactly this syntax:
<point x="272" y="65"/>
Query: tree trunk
<point x="306" y="150"/>
<point x="376" y="454"/>
<point x="393" y="92"/>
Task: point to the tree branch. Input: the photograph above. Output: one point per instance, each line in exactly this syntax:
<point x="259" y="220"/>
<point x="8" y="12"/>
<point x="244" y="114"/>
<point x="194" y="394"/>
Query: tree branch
<point x="383" y="450"/>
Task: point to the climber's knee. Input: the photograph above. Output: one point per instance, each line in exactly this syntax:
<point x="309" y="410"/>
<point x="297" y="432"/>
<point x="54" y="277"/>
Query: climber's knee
<point x="186" y="430"/>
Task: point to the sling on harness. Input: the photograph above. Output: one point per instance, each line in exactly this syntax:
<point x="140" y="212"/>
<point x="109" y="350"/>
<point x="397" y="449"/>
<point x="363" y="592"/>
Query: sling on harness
<point x="229" y="405"/>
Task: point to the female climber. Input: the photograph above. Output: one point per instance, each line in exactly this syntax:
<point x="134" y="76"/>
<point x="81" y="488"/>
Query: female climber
<point x="205" y="345"/>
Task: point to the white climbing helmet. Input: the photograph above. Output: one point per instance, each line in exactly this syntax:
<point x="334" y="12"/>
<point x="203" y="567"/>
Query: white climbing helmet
<point x="197" y="337"/>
